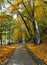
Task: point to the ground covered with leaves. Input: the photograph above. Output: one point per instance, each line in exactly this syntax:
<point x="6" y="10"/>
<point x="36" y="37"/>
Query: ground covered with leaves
<point x="40" y="51"/>
<point x="6" y="51"/>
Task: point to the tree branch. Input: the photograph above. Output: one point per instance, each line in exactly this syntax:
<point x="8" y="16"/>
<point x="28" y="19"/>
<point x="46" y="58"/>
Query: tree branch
<point x="25" y="24"/>
<point x="10" y="2"/>
<point x="26" y="8"/>
<point x="45" y="2"/>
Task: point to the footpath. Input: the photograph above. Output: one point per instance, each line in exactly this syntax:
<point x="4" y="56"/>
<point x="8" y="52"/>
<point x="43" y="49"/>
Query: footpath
<point x="22" y="57"/>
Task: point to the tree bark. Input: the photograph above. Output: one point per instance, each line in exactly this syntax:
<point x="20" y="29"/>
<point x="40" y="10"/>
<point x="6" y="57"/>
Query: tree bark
<point x="34" y="22"/>
<point x="1" y="37"/>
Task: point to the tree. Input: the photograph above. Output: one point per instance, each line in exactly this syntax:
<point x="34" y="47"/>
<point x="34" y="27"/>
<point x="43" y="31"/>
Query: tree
<point x="29" y="6"/>
<point x="5" y="21"/>
<point x="34" y="22"/>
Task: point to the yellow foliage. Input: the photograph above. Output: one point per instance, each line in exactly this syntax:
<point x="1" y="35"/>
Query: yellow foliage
<point x="6" y="51"/>
<point x="18" y="1"/>
<point x="5" y="17"/>
<point x="39" y="9"/>
<point x="14" y="7"/>
<point x="17" y="31"/>
<point x="15" y="35"/>
<point x="40" y="51"/>
<point x="37" y="2"/>
<point x="19" y="21"/>
<point x="39" y="13"/>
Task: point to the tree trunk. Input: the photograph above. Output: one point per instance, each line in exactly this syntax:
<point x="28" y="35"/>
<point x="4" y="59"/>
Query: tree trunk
<point x="37" y="34"/>
<point x="20" y="36"/>
<point x="1" y="37"/>
<point x="9" y="38"/>
<point x="25" y="24"/>
<point x="35" y="26"/>
<point x="34" y="22"/>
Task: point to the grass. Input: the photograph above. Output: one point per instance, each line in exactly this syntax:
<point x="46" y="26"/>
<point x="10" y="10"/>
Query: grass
<point x="40" y="51"/>
<point x="6" y="51"/>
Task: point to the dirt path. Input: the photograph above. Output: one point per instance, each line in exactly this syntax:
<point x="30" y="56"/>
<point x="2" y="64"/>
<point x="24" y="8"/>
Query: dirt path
<point x="21" y="57"/>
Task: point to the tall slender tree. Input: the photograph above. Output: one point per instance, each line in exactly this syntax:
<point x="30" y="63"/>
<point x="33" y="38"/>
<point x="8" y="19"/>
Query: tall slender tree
<point x="34" y="22"/>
